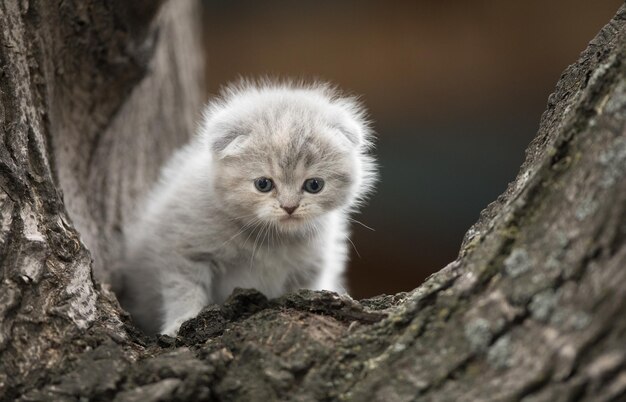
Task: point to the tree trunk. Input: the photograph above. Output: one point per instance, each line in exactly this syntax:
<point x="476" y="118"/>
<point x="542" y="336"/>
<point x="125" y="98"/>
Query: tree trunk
<point x="94" y="97"/>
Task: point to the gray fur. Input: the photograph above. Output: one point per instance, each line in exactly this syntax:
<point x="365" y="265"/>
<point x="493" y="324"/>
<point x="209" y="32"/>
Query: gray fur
<point x="205" y="229"/>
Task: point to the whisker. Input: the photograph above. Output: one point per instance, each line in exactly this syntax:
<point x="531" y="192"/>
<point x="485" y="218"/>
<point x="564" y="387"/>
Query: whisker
<point x="252" y="231"/>
<point x="354" y="247"/>
<point x="267" y="234"/>
<point x="243" y="229"/>
<point x="273" y="225"/>
<point x="254" y="247"/>
<point x="278" y="236"/>
<point x="361" y="223"/>
<point x="238" y="218"/>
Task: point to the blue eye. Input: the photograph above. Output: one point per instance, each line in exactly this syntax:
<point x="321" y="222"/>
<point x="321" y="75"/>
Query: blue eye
<point x="263" y="184"/>
<point x="313" y="185"/>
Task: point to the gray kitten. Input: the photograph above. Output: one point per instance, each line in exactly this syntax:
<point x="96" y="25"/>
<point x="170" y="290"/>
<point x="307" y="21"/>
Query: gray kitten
<point x="260" y="199"/>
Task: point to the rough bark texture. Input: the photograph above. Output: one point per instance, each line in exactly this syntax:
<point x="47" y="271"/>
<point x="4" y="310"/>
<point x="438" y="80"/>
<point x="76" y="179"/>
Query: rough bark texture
<point x="93" y="98"/>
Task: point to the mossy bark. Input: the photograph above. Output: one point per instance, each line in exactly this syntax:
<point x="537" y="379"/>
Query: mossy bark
<point x="93" y="98"/>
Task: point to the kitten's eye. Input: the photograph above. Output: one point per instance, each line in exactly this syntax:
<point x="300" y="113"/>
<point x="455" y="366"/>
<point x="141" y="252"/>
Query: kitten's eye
<point x="313" y="185"/>
<point x="263" y="184"/>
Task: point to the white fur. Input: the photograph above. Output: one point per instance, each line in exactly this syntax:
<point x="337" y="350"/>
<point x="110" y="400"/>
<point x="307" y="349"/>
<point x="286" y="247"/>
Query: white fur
<point x="206" y="229"/>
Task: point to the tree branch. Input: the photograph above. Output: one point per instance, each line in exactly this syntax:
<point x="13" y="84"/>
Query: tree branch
<point x="530" y="309"/>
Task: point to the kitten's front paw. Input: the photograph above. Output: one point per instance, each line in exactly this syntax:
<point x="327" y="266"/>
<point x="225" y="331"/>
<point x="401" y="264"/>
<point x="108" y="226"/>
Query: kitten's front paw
<point x="172" y="328"/>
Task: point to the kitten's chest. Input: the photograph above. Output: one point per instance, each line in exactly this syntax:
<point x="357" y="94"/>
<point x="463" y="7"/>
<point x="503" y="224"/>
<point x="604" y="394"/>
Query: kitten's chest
<point x="272" y="270"/>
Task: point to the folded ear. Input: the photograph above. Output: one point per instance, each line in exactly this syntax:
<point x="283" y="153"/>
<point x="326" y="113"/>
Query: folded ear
<point x="228" y="143"/>
<point x="352" y="131"/>
<point x="222" y="131"/>
<point x="351" y="121"/>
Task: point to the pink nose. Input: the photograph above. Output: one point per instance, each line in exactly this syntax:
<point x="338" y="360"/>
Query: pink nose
<point x="289" y="210"/>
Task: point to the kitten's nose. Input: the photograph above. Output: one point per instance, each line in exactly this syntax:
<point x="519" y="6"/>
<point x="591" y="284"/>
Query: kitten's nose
<point x="289" y="210"/>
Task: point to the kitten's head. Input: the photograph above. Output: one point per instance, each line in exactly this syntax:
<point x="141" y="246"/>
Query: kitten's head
<point x="288" y="154"/>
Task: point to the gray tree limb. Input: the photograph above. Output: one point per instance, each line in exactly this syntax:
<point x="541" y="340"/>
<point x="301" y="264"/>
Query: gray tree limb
<point x="530" y="310"/>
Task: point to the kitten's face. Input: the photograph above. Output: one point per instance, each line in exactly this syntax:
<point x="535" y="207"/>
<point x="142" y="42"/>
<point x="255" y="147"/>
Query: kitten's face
<point x="286" y="181"/>
<point x="286" y="156"/>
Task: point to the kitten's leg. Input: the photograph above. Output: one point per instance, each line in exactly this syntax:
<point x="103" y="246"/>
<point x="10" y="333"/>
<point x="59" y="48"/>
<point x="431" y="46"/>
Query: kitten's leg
<point x="183" y="299"/>
<point x="335" y="255"/>
<point x="139" y="292"/>
<point x="331" y="276"/>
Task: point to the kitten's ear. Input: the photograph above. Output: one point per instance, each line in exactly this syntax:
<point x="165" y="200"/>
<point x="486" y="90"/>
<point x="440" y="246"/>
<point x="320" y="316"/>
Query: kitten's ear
<point x="352" y="122"/>
<point x="230" y="143"/>
<point x="352" y="131"/>
<point x="223" y="137"/>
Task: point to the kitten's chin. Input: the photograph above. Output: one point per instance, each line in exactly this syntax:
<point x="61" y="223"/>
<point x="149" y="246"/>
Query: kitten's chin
<point x="294" y="224"/>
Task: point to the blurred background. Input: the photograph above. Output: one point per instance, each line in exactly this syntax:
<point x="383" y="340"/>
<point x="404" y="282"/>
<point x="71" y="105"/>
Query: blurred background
<point x="455" y="88"/>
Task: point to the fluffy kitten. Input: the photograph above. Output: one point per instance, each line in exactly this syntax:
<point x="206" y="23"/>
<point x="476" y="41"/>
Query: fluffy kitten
<point x="260" y="199"/>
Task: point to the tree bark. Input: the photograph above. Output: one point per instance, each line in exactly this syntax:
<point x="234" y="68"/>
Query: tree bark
<point x="94" y="97"/>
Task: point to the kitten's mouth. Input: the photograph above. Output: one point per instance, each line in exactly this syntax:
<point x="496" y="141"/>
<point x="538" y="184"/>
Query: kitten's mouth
<point x="290" y="218"/>
<point x="291" y="222"/>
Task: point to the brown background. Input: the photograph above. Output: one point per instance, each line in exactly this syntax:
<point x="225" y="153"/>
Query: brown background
<point x="455" y="89"/>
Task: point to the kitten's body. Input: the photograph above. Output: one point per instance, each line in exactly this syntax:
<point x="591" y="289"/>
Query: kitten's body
<point x="206" y="229"/>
